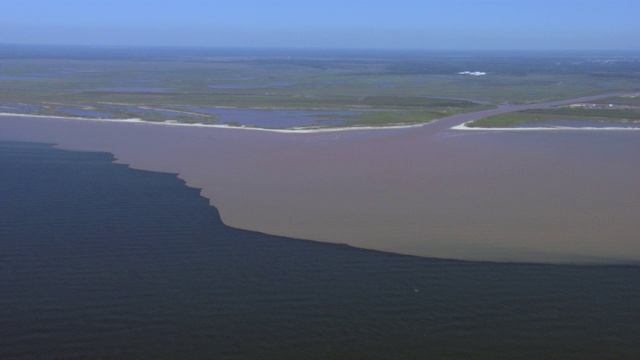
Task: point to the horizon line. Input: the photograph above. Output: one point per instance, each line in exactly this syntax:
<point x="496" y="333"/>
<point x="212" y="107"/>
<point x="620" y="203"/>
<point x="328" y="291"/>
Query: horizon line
<point x="313" y="48"/>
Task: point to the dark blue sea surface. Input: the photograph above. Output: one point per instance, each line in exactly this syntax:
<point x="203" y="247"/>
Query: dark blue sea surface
<point x="98" y="260"/>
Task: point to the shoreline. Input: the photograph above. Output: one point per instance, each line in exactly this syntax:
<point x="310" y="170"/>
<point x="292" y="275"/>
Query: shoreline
<point x="465" y="117"/>
<point x="222" y="126"/>
<point x="464" y="127"/>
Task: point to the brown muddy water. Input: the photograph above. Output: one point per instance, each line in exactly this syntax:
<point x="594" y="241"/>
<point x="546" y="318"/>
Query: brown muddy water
<point x="552" y="196"/>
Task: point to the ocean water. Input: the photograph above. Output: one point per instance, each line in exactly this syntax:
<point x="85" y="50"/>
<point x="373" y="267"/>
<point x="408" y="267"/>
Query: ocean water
<point x="101" y="261"/>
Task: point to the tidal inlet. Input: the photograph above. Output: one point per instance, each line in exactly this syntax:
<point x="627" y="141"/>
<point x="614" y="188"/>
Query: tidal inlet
<point x="566" y="196"/>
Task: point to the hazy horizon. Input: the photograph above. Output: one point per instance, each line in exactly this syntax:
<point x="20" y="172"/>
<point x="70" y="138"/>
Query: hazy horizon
<point x="358" y="24"/>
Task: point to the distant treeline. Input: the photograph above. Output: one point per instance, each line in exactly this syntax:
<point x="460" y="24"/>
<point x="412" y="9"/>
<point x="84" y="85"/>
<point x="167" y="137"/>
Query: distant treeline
<point x="391" y="62"/>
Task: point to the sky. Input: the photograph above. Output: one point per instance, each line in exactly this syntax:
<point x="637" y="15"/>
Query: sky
<point x="359" y="24"/>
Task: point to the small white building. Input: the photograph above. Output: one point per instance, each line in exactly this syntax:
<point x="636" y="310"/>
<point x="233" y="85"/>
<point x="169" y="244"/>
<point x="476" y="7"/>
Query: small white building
<point x="473" y="73"/>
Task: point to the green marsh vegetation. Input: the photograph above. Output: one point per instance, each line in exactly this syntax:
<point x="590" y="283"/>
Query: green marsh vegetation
<point x="379" y="88"/>
<point x="621" y="110"/>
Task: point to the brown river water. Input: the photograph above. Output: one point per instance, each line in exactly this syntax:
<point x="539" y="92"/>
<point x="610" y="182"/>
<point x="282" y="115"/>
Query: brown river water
<point x="565" y="196"/>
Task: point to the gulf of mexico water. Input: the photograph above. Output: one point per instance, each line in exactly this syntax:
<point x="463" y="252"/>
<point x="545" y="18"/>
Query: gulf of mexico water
<point x="98" y="260"/>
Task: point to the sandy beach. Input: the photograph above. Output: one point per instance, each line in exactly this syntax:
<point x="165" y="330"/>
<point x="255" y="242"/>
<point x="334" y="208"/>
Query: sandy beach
<point x="549" y="196"/>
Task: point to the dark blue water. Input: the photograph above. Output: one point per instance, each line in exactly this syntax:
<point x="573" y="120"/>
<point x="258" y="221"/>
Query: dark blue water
<point x="101" y="261"/>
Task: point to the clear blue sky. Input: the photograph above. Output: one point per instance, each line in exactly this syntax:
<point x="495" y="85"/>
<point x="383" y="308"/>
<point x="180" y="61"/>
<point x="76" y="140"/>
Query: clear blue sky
<point x="416" y="24"/>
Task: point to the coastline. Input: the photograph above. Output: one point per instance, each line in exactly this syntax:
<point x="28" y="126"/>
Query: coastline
<point x="301" y="130"/>
<point x="457" y="125"/>
<point x="543" y="128"/>
<point x="308" y="130"/>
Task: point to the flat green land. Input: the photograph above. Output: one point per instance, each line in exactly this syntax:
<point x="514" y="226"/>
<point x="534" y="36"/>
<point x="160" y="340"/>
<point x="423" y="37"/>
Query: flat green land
<point x="372" y="88"/>
<point x="621" y="110"/>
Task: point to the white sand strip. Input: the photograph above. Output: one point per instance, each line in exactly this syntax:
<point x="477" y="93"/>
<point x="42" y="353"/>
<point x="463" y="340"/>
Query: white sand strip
<point x="544" y="128"/>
